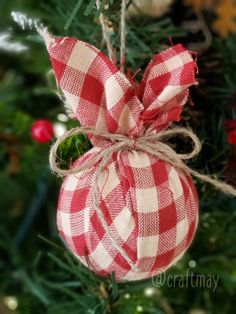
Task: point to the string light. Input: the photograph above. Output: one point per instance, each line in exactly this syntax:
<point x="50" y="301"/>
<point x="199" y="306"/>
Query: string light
<point x="150" y="291"/>
<point x="62" y="117"/>
<point x="11" y="302"/>
<point x="139" y="308"/>
<point x="192" y="264"/>
<point x="59" y="129"/>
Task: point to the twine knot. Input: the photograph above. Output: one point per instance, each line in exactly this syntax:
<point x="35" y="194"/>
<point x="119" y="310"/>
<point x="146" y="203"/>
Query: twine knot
<point x="132" y="144"/>
<point x="154" y="144"/>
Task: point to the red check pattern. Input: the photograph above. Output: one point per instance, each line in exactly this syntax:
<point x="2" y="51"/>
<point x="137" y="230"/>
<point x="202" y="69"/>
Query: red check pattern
<point x="151" y="208"/>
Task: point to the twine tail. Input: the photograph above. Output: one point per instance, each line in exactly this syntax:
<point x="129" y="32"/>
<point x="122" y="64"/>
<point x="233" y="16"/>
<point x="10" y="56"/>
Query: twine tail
<point x="105" y="32"/>
<point x="222" y="186"/>
<point x="122" y="35"/>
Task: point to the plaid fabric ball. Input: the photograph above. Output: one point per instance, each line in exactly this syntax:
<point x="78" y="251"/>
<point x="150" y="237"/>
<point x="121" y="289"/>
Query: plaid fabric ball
<point x="151" y="209"/>
<point x="149" y="206"/>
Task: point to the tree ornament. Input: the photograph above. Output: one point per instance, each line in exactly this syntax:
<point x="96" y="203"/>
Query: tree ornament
<point x="231" y="131"/>
<point x="232" y="137"/>
<point x="129" y="205"/>
<point x="149" y="206"/>
<point x="42" y="131"/>
<point x="153" y="8"/>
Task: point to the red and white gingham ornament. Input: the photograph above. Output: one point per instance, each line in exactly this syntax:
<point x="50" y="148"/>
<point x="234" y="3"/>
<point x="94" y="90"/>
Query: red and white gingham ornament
<point x="150" y="206"/>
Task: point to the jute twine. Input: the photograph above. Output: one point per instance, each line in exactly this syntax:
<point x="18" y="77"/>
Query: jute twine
<point x="154" y="144"/>
<point x="150" y="143"/>
<point x="106" y="37"/>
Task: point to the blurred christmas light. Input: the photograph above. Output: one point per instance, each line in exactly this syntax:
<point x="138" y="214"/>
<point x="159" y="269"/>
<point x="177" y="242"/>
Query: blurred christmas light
<point x="139" y="308"/>
<point x="153" y="8"/>
<point x="127" y="296"/>
<point x="62" y="117"/>
<point x="59" y="129"/>
<point x="11" y="302"/>
<point x="149" y="292"/>
<point x="192" y="264"/>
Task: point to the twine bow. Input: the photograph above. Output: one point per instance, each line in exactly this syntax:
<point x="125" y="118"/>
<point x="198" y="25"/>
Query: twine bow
<point x="149" y="143"/>
<point x="153" y="144"/>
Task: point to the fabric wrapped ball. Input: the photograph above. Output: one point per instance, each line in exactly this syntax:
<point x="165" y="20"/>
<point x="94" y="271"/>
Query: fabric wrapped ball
<point x="151" y="209"/>
<point x="146" y="211"/>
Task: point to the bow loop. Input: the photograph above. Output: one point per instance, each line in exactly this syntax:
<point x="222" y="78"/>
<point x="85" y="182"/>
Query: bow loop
<point x="164" y="88"/>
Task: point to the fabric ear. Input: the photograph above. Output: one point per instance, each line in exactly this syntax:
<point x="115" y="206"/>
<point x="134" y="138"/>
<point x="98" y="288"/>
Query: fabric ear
<point x="164" y="88"/>
<point x="97" y="94"/>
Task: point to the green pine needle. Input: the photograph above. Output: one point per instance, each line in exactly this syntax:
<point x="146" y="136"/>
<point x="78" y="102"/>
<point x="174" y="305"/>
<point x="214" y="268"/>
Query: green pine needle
<point x="90" y="7"/>
<point x="114" y="287"/>
<point x="100" y="7"/>
<point x="73" y="14"/>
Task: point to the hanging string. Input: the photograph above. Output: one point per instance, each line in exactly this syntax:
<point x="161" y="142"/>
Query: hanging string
<point x="105" y="32"/>
<point x="106" y="38"/>
<point x="122" y="35"/>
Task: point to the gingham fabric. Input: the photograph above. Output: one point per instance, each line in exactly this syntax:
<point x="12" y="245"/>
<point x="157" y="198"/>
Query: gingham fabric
<point x="151" y="207"/>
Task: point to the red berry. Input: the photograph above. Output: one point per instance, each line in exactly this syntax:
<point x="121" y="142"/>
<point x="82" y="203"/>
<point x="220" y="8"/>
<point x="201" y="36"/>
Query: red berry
<point x="230" y="124"/>
<point x="42" y="131"/>
<point x="232" y="137"/>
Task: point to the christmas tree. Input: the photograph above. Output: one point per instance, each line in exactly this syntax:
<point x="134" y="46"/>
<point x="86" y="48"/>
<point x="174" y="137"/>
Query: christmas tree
<point x="37" y="272"/>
